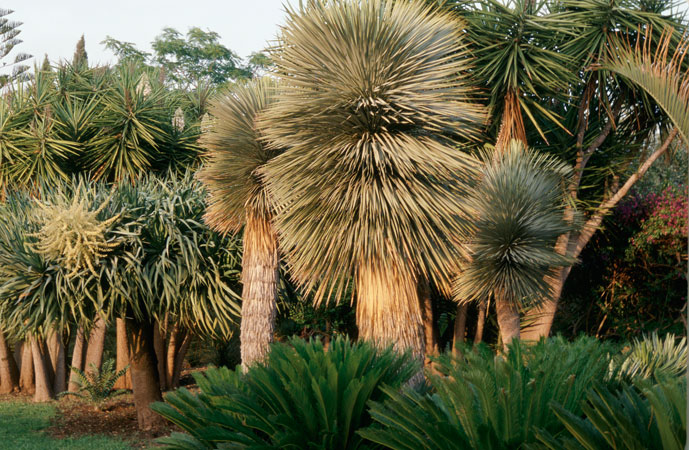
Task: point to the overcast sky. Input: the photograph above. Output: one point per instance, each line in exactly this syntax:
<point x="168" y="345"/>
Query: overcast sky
<point x="54" y="26"/>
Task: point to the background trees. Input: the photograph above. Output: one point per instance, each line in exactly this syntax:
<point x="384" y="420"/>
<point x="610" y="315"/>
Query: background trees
<point x="9" y="30"/>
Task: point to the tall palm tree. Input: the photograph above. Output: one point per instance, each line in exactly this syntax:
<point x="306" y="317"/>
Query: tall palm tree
<point x="238" y="199"/>
<point x="373" y="99"/>
<point x="519" y="207"/>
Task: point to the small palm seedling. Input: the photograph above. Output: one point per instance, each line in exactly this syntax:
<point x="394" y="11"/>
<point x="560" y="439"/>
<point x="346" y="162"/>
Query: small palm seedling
<point x="97" y="385"/>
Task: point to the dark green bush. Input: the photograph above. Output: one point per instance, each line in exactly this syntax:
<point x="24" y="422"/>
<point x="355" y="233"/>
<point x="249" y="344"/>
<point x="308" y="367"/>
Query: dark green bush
<point x="485" y="401"/>
<point x="303" y="397"/>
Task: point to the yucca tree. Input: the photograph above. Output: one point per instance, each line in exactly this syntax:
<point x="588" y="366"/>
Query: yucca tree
<point x="374" y="94"/>
<point x="238" y="200"/>
<point x="519" y="208"/>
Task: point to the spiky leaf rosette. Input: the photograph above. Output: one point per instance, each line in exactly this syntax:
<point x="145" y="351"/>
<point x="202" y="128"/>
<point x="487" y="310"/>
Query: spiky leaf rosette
<point x="519" y="211"/>
<point x="373" y="91"/>
<point x="235" y="152"/>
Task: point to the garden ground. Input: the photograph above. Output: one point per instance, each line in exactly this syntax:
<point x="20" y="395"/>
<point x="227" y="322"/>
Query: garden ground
<point x="72" y="424"/>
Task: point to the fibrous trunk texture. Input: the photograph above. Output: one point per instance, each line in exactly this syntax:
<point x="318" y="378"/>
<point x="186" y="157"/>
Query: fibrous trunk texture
<point x="480" y="321"/>
<point x="388" y="311"/>
<point x="144" y="368"/>
<point x="260" y="272"/>
<point x="77" y="359"/>
<point x="94" y="349"/>
<point x="508" y="320"/>
<point x="26" y="375"/>
<point x="512" y="123"/>
<point x="122" y="357"/>
<point x="9" y="372"/>
<point x="429" y="330"/>
<point x="540" y="318"/>
<point x="460" y="327"/>
<point x="41" y="362"/>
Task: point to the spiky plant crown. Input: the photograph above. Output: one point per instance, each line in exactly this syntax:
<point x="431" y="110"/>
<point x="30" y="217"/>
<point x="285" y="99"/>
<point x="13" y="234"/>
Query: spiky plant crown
<point x="235" y="152"/>
<point x="372" y="91"/>
<point x="519" y="208"/>
<point x="72" y="232"/>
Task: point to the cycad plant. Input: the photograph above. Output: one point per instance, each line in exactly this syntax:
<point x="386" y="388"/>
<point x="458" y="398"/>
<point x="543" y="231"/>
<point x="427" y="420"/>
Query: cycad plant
<point x="303" y="397"/>
<point x="97" y="385"/>
<point x="655" y="357"/>
<point x="374" y="94"/>
<point x="519" y="207"/>
<point x="238" y="199"/>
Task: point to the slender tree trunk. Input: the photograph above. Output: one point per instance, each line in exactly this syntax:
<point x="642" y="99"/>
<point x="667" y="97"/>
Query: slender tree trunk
<point x="508" y="321"/>
<point x="96" y="343"/>
<point x="161" y="355"/>
<point x="26" y="375"/>
<point x="44" y="386"/>
<point x="179" y="359"/>
<point x="58" y="363"/>
<point x="460" y="327"/>
<point x="430" y="333"/>
<point x="480" y="322"/>
<point x="9" y="373"/>
<point x="125" y="381"/>
<point x="260" y="272"/>
<point x="389" y="311"/>
<point x="77" y="359"/>
<point x="176" y="351"/>
<point x="144" y="368"/>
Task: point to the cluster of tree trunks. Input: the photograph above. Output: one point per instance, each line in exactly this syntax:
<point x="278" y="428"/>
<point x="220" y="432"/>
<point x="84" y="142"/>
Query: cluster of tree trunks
<point x="154" y="352"/>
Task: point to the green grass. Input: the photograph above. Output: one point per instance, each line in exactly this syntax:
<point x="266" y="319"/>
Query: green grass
<point x="21" y="425"/>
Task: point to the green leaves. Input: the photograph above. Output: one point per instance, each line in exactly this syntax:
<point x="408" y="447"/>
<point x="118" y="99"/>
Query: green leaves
<point x="373" y="93"/>
<point x="303" y="397"/>
<point x="97" y="385"/>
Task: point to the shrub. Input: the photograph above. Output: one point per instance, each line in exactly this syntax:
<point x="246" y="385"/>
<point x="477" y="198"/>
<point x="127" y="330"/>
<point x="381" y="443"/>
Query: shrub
<point x="97" y="385"/>
<point x="491" y="402"/>
<point x="655" y="357"/>
<point x="303" y="397"/>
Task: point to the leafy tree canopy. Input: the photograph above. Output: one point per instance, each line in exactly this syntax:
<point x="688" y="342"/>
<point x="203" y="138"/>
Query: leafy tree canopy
<point x="9" y="30"/>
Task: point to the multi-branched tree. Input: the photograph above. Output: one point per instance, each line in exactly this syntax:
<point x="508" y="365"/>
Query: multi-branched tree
<point x="374" y="96"/>
<point x="9" y="30"/>
<point x="238" y="200"/>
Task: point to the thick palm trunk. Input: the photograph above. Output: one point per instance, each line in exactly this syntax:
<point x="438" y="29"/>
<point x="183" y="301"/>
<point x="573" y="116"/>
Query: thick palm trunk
<point x="44" y="385"/>
<point x="508" y="320"/>
<point x="539" y="320"/>
<point x="26" y="375"/>
<point x="9" y="373"/>
<point x="144" y="368"/>
<point x="77" y="359"/>
<point x="122" y="356"/>
<point x="388" y="311"/>
<point x="480" y="322"/>
<point x="58" y="362"/>
<point x="429" y="330"/>
<point x="460" y="327"/>
<point x="260" y="272"/>
<point x="96" y="343"/>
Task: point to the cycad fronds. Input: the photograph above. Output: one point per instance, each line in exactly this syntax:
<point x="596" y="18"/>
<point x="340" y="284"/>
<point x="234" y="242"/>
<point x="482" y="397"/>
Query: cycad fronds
<point x="658" y="70"/>
<point x="373" y="90"/>
<point x="519" y="209"/>
<point x="235" y="153"/>
<point x="656" y="357"/>
<point x="97" y="385"/>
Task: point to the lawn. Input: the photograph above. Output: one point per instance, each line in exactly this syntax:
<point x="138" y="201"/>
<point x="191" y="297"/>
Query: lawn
<point x="23" y="425"/>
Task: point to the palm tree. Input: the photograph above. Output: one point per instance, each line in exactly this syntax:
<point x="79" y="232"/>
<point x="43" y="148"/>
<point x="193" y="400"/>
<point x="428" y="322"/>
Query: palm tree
<point x="519" y="207"/>
<point x="374" y="99"/>
<point x="238" y="199"/>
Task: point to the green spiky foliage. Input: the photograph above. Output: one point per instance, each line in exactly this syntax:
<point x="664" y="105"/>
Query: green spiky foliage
<point x="660" y="71"/>
<point x="95" y="385"/>
<point x="235" y="153"/>
<point x="303" y="397"/>
<point x="636" y="417"/>
<point x="374" y="92"/>
<point x="519" y="206"/>
<point x="171" y="263"/>
<point x="655" y="357"/>
<point x="484" y="401"/>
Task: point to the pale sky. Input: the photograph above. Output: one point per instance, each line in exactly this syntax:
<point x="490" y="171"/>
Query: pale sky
<point x="55" y="26"/>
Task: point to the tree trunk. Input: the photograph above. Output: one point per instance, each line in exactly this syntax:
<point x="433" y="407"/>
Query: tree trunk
<point x="125" y="381"/>
<point x="26" y="375"/>
<point x="94" y="349"/>
<point x="460" y="327"/>
<point x="430" y="333"/>
<point x="58" y="363"/>
<point x="161" y="355"/>
<point x="144" y="368"/>
<point x="77" y="359"/>
<point x="388" y="311"/>
<point x="179" y="359"/>
<point x="480" y="322"/>
<point x="178" y="345"/>
<point x="9" y="373"/>
<point x="508" y="321"/>
<point x="260" y="272"/>
<point x="44" y="386"/>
